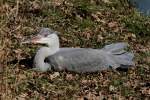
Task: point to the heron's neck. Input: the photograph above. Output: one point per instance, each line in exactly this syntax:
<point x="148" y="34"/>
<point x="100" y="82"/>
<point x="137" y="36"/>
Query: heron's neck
<point x="43" y="52"/>
<point x="53" y="45"/>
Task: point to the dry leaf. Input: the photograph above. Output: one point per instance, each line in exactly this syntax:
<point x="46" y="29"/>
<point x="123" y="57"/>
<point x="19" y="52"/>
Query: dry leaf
<point x="130" y="36"/>
<point x="99" y="38"/>
<point x="69" y="77"/>
<point x="57" y="2"/>
<point x="111" y="88"/>
<point x="112" y="24"/>
<point x="95" y="17"/>
<point x="64" y="39"/>
<point x="56" y="74"/>
<point x="1" y="68"/>
<point x="106" y="1"/>
<point x="145" y="91"/>
<point x="87" y="34"/>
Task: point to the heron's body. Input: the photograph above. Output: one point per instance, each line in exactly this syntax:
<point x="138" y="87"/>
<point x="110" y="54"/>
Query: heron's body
<point x="78" y="59"/>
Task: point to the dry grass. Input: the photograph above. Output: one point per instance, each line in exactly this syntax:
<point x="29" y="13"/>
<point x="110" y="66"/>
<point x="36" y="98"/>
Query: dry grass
<point x="82" y="24"/>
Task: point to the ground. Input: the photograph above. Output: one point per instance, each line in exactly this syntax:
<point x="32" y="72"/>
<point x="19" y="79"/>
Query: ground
<point x="81" y="23"/>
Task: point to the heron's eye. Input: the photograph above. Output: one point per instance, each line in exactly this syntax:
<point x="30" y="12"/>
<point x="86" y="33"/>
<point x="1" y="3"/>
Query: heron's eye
<point x="45" y="34"/>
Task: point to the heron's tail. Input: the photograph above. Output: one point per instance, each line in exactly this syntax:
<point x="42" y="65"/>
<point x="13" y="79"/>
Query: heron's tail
<point x="118" y="56"/>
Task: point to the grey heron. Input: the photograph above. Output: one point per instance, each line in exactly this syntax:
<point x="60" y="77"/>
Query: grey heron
<point x="79" y="60"/>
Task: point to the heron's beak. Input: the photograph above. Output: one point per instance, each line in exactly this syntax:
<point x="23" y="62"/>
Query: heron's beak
<point x="34" y="40"/>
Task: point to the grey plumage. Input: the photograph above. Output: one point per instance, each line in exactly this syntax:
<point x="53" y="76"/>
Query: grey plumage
<point x="91" y="60"/>
<point x="79" y="60"/>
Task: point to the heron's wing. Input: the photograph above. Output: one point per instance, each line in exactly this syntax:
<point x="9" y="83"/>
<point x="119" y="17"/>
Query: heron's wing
<point x="79" y="60"/>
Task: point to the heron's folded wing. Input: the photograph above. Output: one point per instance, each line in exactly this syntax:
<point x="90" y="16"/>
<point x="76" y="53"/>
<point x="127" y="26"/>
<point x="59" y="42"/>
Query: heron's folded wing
<point x="78" y="60"/>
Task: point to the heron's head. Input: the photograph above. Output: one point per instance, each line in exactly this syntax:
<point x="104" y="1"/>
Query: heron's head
<point x="44" y="36"/>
